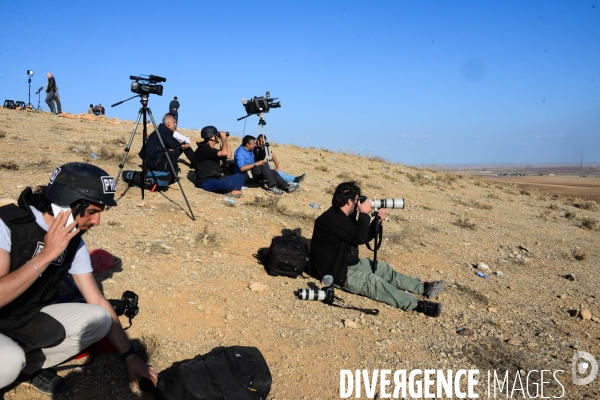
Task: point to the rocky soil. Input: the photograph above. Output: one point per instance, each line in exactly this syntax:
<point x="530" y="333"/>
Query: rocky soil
<point x="538" y="306"/>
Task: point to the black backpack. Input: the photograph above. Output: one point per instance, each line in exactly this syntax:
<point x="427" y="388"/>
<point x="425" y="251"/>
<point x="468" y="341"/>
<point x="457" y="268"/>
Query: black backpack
<point x="286" y="256"/>
<point x="225" y="373"/>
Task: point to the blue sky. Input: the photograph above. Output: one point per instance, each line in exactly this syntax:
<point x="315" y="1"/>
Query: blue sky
<point x="429" y="82"/>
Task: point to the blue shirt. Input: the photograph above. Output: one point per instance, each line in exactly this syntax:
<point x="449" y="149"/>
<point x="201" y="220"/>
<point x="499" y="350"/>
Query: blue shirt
<point x="242" y="157"/>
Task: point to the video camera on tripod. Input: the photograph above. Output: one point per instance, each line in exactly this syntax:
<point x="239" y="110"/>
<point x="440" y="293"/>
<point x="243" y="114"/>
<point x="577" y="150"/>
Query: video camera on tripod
<point x="147" y="85"/>
<point x="260" y="105"/>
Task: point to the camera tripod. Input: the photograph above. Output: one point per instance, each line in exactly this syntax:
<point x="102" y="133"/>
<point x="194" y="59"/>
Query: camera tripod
<point x="143" y="113"/>
<point x="29" y="103"/>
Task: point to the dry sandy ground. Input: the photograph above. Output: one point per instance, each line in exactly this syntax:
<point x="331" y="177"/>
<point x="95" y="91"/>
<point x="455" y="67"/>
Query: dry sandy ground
<point x="193" y="276"/>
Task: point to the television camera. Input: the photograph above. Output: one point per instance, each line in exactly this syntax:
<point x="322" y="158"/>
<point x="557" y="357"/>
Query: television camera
<point x="147" y="85"/>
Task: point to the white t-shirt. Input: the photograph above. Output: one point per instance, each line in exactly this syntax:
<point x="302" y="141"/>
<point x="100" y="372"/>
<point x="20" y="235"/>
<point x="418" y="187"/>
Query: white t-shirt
<point x="81" y="263"/>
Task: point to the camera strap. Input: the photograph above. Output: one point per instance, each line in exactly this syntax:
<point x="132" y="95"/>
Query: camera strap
<point x="376" y="241"/>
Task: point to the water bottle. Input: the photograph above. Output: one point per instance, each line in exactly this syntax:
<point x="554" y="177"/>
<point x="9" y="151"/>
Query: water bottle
<point x="315" y="205"/>
<point x="481" y="275"/>
<point x="229" y="201"/>
<point x="93" y="155"/>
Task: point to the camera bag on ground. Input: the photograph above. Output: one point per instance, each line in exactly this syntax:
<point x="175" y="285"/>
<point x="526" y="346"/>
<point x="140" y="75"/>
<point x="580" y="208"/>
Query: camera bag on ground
<point x="286" y="256"/>
<point x="159" y="178"/>
<point x="225" y="373"/>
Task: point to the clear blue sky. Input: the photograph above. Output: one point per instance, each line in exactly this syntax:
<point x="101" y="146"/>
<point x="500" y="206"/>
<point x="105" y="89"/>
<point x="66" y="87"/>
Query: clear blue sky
<point x="427" y="82"/>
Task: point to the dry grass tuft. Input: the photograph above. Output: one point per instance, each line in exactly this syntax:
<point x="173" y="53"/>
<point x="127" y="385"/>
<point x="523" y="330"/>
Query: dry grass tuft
<point x="465" y="222"/>
<point x="553" y="206"/>
<point x="346" y="176"/>
<point x="9" y="165"/>
<point x="106" y="154"/>
<point x="419" y="179"/>
<point x="323" y="168"/>
<point x="589" y="223"/>
<point x="207" y="237"/>
<point x="2" y="134"/>
<point x="569" y="214"/>
<point x="494" y="196"/>
<point x="578" y="254"/>
<point x="482" y="206"/>
<point x="586" y="205"/>
<point x="525" y="192"/>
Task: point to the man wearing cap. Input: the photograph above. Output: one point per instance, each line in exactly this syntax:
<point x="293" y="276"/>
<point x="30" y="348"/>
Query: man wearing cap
<point x="209" y="163"/>
<point x="38" y="245"/>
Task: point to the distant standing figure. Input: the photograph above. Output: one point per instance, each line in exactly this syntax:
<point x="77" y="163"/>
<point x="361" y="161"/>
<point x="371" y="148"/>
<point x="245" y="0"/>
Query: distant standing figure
<point x="52" y="95"/>
<point x="174" y="108"/>
<point x="101" y="109"/>
<point x="92" y="110"/>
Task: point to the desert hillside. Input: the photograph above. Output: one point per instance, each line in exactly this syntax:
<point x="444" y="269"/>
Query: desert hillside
<point x="538" y="306"/>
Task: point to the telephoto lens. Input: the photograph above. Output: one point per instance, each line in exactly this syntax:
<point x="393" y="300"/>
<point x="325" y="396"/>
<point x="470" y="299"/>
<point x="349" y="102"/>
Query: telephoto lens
<point x="311" y="294"/>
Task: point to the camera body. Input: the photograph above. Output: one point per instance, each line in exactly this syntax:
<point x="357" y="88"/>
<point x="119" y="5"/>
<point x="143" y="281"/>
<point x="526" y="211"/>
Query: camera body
<point x="326" y="294"/>
<point x="128" y="305"/>
<point x="261" y="104"/>
<point x="147" y="85"/>
<point x="383" y="203"/>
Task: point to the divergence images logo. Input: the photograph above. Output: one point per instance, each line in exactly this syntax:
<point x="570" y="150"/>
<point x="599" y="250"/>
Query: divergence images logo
<point x="583" y="363"/>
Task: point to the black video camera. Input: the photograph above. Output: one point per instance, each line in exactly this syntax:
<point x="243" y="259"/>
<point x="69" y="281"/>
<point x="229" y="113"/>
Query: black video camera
<point x="147" y="85"/>
<point x="262" y="104"/>
<point x="128" y="305"/>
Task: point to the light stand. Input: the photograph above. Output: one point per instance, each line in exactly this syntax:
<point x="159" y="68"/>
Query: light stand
<point x="144" y="111"/>
<point x="29" y="75"/>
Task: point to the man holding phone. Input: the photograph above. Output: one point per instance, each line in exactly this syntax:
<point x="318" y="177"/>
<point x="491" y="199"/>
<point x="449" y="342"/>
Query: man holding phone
<point x="37" y="247"/>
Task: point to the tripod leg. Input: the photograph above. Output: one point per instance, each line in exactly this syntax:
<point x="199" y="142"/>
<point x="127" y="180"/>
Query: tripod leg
<point x="128" y="148"/>
<point x="171" y="164"/>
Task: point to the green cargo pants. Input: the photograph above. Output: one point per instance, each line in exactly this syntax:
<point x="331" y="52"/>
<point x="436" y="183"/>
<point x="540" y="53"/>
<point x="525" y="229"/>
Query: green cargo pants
<point x="384" y="285"/>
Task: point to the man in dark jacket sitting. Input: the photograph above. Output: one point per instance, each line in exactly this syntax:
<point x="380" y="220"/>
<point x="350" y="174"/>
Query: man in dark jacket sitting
<point x="334" y="251"/>
<point x="156" y="159"/>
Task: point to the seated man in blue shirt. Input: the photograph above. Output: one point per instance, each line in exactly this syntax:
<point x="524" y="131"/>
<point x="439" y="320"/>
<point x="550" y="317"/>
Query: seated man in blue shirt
<point x="259" y="170"/>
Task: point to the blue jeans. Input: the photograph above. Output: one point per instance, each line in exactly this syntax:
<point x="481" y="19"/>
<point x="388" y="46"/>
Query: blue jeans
<point x="225" y="184"/>
<point x="52" y="98"/>
<point x="286" y="177"/>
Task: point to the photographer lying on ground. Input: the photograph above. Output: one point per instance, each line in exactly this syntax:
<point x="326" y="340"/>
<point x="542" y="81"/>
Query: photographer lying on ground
<point x="334" y="251"/>
<point x="155" y="155"/>
<point x="209" y="163"/>
<point x="263" y="151"/>
<point x="256" y="171"/>
<point x="36" y="250"/>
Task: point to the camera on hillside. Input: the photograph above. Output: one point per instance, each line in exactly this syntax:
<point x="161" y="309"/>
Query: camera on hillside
<point x="383" y="203"/>
<point x="147" y="85"/>
<point x="261" y="104"/>
<point x="128" y="305"/>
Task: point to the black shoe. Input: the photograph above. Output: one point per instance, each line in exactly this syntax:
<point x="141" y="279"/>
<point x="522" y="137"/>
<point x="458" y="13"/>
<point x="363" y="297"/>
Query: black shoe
<point x="300" y="178"/>
<point x="429" y="308"/>
<point x="48" y="382"/>
<point x="433" y="289"/>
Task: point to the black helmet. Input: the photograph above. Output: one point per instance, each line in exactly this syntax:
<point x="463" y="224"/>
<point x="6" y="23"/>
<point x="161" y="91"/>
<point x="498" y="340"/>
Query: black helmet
<point x="76" y="181"/>
<point x="208" y="131"/>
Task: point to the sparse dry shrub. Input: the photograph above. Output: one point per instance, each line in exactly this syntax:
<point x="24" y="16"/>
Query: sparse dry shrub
<point x="553" y="206"/>
<point x="493" y="196"/>
<point x="117" y="141"/>
<point x="2" y="134"/>
<point x="577" y="254"/>
<point x="345" y="176"/>
<point x="555" y="196"/>
<point x="589" y="223"/>
<point x="419" y="179"/>
<point x="269" y="202"/>
<point x="525" y="192"/>
<point x="380" y="159"/>
<point x="569" y="214"/>
<point x="465" y="222"/>
<point x="447" y="178"/>
<point x="207" y="237"/>
<point x="586" y="205"/>
<point x="323" y="168"/>
<point x="482" y="206"/>
<point x="107" y="154"/>
<point x="544" y="214"/>
<point x="9" y="165"/>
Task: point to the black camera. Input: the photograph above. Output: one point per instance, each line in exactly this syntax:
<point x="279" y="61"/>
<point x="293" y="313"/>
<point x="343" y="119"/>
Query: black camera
<point x="128" y="305"/>
<point x="262" y="104"/>
<point x="147" y="85"/>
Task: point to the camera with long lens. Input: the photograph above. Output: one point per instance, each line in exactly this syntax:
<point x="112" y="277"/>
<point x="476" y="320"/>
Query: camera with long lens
<point x="260" y="104"/>
<point x="383" y="203"/>
<point x="326" y="294"/>
<point x="128" y="305"/>
<point x="146" y="85"/>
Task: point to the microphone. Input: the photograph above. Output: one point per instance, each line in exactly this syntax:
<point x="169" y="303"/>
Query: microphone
<point x="39" y="90"/>
<point x="327" y="280"/>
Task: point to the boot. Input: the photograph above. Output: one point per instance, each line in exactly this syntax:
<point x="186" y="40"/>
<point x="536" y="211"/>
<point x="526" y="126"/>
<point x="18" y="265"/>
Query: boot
<point x="429" y="308"/>
<point x="433" y="289"/>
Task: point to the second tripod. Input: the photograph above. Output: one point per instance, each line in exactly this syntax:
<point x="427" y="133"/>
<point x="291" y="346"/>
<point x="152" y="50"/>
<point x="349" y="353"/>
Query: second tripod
<point x="143" y="114"/>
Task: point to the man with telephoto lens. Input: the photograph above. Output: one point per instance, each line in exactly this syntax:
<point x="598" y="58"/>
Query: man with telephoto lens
<point x="334" y="251"/>
<point x="38" y="245"/>
<point x="209" y="163"/>
<point x="155" y="154"/>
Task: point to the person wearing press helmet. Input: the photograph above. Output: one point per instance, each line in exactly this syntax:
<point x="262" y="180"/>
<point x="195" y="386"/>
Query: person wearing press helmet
<point x="40" y="241"/>
<point x="209" y="163"/>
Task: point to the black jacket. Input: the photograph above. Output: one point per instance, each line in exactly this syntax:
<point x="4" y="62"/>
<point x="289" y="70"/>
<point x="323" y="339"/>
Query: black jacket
<point x="154" y="150"/>
<point x="51" y="85"/>
<point x="335" y="242"/>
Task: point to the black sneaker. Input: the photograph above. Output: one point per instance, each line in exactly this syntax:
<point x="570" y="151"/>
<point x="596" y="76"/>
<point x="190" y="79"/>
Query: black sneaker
<point x="433" y="289"/>
<point x="300" y="178"/>
<point x="429" y="308"/>
<point x="48" y="382"/>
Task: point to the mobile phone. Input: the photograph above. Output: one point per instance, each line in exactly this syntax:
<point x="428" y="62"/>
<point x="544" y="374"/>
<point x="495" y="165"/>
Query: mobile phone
<point x="56" y="209"/>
